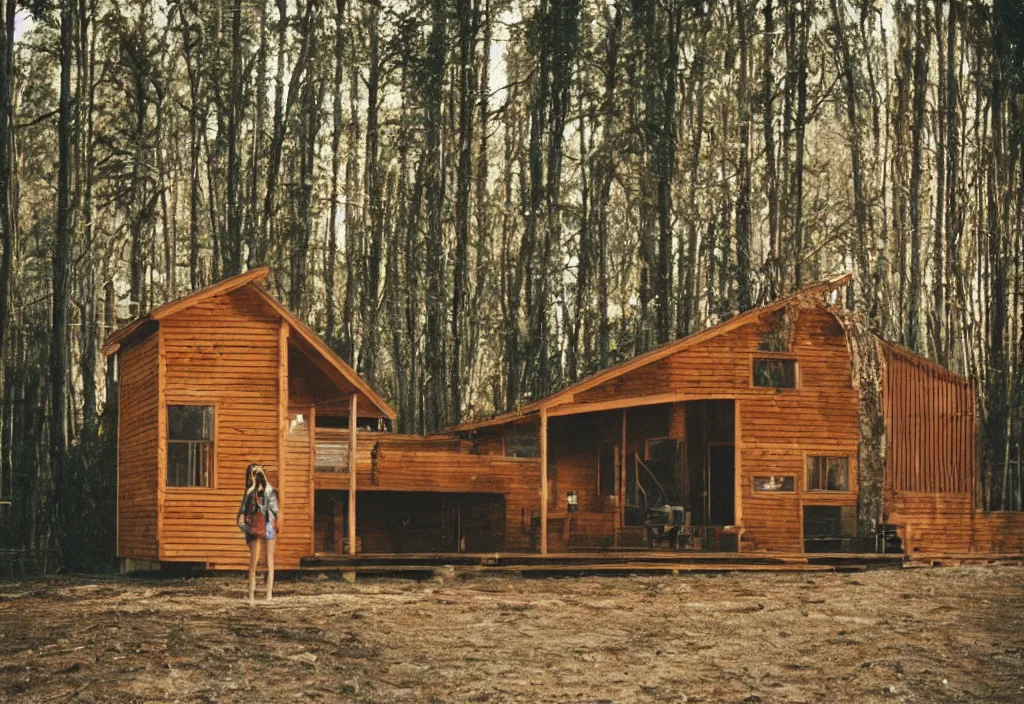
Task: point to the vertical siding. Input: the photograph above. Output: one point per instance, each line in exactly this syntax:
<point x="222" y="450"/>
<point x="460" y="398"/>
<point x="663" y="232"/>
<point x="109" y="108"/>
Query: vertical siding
<point x="929" y="427"/>
<point x="225" y="352"/>
<point x="931" y="462"/>
<point x="137" y="451"/>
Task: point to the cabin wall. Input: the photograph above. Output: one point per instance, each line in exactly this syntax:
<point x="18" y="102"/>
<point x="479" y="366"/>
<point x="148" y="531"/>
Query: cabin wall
<point x="929" y="427"/>
<point x="775" y="429"/>
<point x="296" y="536"/>
<point x="932" y="461"/>
<point x="225" y="352"/>
<point x="137" y="482"/>
<point x="388" y="462"/>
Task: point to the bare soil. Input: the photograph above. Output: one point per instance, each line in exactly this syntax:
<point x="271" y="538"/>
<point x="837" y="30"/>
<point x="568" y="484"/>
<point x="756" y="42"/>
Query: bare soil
<point x="913" y="635"/>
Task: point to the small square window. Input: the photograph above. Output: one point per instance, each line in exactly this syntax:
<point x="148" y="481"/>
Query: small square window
<point x="189" y="445"/>
<point x="828" y="473"/>
<point x="522" y="441"/>
<point x="775" y="373"/>
<point x="774" y="484"/>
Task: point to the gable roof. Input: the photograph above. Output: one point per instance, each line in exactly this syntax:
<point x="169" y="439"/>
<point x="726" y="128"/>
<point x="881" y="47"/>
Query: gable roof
<point x="320" y="353"/>
<point x="232" y="283"/>
<point x="641" y="360"/>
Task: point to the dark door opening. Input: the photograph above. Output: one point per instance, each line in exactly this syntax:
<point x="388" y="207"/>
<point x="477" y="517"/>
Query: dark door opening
<point x="397" y="522"/>
<point x="830" y="529"/>
<point x="722" y="484"/>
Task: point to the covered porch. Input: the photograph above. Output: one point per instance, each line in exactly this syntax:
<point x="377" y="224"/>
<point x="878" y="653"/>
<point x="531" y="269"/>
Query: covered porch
<point x="628" y="475"/>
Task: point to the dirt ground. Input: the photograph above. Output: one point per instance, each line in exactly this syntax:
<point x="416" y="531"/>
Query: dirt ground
<point x="913" y="635"/>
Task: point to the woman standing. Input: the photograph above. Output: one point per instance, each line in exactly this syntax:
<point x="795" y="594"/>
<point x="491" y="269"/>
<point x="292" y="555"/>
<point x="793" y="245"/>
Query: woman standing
<point x="257" y="517"/>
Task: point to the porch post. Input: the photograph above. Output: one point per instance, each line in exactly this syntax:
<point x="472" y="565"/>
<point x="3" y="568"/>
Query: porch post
<point x="352" y="421"/>
<point x="620" y="480"/>
<point x="543" y="481"/>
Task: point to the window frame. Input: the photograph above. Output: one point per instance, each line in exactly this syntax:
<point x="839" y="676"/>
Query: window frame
<point x="773" y="492"/>
<point x="504" y="444"/>
<point x="850" y="473"/>
<point x="779" y="356"/>
<point x="214" y="474"/>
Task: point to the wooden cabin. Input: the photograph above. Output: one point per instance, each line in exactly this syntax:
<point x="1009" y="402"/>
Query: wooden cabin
<point x="752" y="427"/>
<point x="208" y="384"/>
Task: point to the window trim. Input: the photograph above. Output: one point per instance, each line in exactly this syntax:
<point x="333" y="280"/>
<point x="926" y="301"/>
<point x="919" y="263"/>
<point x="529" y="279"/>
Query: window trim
<point x="851" y="475"/>
<point x="504" y="444"/>
<point x="787" y="356"/>
<point x="214" y="474"/>
<point x="852" y="479"/>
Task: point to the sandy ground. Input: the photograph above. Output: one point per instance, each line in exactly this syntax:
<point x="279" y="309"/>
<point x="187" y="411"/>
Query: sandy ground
<point x="914" y="635"/>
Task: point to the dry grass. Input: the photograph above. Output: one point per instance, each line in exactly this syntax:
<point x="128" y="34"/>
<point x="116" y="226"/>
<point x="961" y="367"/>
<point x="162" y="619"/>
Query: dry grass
<point x="923" y="635"/>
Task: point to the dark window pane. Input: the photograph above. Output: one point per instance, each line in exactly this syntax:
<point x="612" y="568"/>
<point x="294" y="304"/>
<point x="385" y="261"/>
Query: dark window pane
<point x="828" y="473"/>
<point x="189" y="463"/>
<point x="775" y="373"/>
<point x="522" y="441"/>
<point x="774" y="484"/>
<point x="190" y="422"/>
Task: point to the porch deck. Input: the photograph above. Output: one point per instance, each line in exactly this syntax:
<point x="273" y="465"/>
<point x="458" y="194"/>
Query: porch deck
<point x="587" y="563"/>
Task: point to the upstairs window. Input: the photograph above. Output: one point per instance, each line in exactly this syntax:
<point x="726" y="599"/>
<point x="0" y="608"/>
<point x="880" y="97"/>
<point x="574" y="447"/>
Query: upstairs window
<point x="828" y="473"/>
<point x="189" y="445"/>
<point x="774" y="373"/>
<point x="522" y="441"/>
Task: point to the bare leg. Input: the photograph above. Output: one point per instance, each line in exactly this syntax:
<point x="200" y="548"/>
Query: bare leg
<point x="270" y="568"/>
<point x="254" y="558"/>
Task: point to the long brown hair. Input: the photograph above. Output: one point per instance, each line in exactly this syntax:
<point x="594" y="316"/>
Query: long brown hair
<point x="255" y="479"/>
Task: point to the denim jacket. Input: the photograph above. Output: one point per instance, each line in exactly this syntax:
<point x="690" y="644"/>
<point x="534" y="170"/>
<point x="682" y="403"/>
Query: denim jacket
<point x="271" y="507"/>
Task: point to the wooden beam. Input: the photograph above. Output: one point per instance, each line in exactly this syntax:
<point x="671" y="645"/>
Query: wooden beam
<point x="621" y="479"/>
<point x="161" y="441"/>
<point x="738" y="474"/>
<point x="312" y="470"/>
<point x="632" y="402"/>
<point x="543" y="481"/>
<point x="282" y="416"/>
<point x="353" y="419"/>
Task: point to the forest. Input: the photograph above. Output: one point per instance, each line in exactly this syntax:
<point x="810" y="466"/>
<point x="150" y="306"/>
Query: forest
<point x="477" y="202"/>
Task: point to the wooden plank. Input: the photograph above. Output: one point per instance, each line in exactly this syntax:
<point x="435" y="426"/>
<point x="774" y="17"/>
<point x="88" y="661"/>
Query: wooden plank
<point x="543" y="481"/>
<point x="352" y="464"/>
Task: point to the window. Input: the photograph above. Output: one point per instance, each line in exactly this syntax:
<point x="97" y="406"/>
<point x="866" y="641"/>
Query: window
<point x="189" y="445"/>
<point x="828" y="474"/>
<point x="774" y="484"/>
<point x="522" y="441"/>
<point x="775" y="373"/>
<point x="332" y="454"/>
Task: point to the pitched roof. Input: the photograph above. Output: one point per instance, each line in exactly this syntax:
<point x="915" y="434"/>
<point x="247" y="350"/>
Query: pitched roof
<point x="641" y="360"/>
<point x="320" y="347"/>
<point x="332" y="365"/>
<point x="232" y="283"/>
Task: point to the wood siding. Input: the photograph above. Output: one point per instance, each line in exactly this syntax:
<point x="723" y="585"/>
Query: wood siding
<point x="932" y="463"/>
<point x="441" y="464"/>
<point x="930" y="428"/>
<point x="137" y="483"/>
<point x="224" y="352"/>
<point x="776" y="430"/>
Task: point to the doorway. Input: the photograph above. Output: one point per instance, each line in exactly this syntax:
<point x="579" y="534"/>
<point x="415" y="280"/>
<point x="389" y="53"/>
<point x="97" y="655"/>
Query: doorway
<point x="721" y="484"/>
